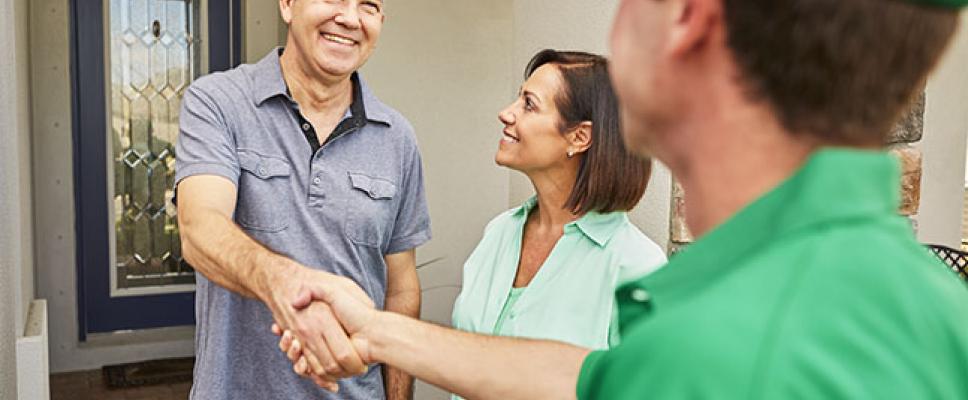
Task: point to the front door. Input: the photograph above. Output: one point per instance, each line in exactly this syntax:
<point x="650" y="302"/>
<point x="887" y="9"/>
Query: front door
<point x="133" y="60"/>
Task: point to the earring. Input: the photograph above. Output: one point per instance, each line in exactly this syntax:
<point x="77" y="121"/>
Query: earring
<point x="571" y="153"/>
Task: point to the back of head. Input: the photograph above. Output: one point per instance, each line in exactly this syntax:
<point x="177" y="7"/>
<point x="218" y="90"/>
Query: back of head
<point x="838" y="70"/>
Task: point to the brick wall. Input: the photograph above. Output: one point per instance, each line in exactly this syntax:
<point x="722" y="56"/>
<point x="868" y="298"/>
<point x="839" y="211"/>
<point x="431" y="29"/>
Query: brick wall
<point x="901" y="141"/>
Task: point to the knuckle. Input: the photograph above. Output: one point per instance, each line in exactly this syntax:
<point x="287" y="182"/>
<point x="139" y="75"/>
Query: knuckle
<point x="332" y="368"/>
<point x="344" y="357"/>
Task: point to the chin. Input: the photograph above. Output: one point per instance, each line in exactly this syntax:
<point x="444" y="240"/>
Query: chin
<point x="504" y="161"/>
<point x="336" y="67"/>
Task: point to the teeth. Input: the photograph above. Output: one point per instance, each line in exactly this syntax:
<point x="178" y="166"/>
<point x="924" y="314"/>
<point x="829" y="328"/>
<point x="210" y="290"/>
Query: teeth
<point x="338" y="39"/>
<point x="508" y="139"/>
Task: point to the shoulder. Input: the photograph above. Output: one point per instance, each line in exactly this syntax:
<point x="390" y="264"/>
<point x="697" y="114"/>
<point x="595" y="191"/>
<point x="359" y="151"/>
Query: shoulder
<point x="503" y="220"/>
<point x="400" y="127"/>
<point x="636" y="254"/>
<point x="224" y="85"/>
<point x="873" y="292"/>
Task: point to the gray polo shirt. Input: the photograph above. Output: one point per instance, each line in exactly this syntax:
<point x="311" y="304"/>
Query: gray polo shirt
<point x="340" y="208"/>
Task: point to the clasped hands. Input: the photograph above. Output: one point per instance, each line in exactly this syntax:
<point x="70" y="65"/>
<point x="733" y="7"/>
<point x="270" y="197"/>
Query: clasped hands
<point x="324" y="321"/>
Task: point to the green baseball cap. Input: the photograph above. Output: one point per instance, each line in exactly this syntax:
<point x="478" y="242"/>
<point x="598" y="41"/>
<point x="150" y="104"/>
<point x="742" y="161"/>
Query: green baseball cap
<point x="941" y="3"/>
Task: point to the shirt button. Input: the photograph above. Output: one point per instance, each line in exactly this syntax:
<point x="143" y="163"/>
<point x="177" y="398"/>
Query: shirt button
<point x="262" y="171"/>
<point x="306" y="127"/>
<point x="639" y="295"/>
<point x="317" y="180"/>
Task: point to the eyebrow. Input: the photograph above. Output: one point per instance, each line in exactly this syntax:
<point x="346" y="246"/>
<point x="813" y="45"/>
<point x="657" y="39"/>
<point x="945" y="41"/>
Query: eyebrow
<point x="532" y="95"/>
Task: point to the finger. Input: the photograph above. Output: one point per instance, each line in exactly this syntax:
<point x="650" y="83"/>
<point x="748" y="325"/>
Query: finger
<point x="285" y="342"/>
<point x="347" y="360"/>
<point x="295" y="351"/>
<point x="331" y="343"/>
<point x="314" y="363"/>
<point x="276" y="330"/>
<point x="301" y="367"/>
<point x="328" y="385"/>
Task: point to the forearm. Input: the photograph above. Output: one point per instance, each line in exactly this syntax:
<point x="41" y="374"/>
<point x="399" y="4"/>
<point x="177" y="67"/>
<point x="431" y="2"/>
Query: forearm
<point x="223" y="253"/>
<point x="477" y="366"/>
<point x="399" y="384"/>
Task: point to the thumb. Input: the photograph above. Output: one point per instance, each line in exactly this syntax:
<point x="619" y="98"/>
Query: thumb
<point x="362" y="347"/>
<point x="303" y="300"/>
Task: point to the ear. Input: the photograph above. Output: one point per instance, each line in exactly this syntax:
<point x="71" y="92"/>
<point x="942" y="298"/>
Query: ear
<point x="285" y="9"/>
<point x="580" y="137"/>
<point x="694" y="23"/>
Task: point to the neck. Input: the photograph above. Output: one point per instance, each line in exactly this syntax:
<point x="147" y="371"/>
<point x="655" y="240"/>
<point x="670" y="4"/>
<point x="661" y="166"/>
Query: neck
<point x="312" y="90"/>
<point x="553" y="188"/>
<point x="725" y="161"/>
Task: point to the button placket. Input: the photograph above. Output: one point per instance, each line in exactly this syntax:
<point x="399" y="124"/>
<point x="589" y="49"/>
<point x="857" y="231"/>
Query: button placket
<point x="316" y="190"/>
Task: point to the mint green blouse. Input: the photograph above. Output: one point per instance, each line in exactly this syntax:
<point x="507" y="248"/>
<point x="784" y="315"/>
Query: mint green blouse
<point x="506" y="311"/>
<point x="571" y="298"/>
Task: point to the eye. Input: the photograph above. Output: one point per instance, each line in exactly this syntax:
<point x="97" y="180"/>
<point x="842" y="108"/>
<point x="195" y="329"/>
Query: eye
<point x="528" y="104"/>
<point x="371" y="7"/>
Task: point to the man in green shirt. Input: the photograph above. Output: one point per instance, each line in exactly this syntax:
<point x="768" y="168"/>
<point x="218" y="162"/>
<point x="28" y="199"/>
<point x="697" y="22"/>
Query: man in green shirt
<point x="804" y="283"/>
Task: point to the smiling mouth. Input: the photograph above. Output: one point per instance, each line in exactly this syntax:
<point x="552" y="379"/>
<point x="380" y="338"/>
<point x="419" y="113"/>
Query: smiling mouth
<point x="508" y="138"/>
<point x="338" y="39"/>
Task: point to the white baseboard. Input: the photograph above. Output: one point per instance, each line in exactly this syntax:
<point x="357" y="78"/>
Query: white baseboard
<point x="33" y="369"/>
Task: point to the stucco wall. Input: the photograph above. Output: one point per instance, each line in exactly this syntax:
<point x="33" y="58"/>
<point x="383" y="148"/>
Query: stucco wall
<point x="444" y="65"/>
<point x="16" y="237"/>
<point x="943" y="147"/>
<point x="580" y="25"/>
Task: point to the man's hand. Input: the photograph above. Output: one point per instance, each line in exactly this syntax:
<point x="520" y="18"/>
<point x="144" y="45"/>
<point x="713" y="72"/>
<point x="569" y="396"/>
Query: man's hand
<point x="329" y="352"/>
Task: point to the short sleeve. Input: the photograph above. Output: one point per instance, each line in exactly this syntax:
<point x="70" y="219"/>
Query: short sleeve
<point x="412" y="226"/>
<point x="205" y="145"/>
<point x="642" y="258"/>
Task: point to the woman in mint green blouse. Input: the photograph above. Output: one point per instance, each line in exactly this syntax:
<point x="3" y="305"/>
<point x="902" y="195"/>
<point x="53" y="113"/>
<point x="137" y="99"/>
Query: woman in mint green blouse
<point x="549" y="268"/>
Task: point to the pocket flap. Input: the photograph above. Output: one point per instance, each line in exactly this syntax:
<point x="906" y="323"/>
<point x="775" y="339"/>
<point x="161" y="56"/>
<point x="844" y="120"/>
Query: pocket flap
<point x="264" y="167"/>
<point x="376" y="188"/>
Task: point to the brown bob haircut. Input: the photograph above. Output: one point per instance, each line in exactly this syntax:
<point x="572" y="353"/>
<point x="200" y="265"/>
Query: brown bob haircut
<point x="841" y="71"/>
<point x="609" y="177"/>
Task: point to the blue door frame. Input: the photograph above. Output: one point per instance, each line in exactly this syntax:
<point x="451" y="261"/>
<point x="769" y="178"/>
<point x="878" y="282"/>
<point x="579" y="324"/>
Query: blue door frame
<point x="97" y="311"/>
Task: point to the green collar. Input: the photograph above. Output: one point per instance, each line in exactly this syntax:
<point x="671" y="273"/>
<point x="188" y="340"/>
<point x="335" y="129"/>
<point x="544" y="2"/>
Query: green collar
<point x="596" y="226"/>
<point x="833" y="185"/>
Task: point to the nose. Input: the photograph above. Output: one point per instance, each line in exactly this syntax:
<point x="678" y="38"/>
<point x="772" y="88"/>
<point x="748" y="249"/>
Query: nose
<point x="349" y="15"/>
<point x="506" y="116"/>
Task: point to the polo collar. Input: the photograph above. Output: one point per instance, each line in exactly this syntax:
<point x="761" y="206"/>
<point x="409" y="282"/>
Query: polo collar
<point x="597" y="227"/>
<point x="833" y="185"/>
<point x="268" y="83"/>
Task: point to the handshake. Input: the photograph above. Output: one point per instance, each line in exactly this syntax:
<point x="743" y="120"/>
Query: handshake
<point x="325" y="328"/>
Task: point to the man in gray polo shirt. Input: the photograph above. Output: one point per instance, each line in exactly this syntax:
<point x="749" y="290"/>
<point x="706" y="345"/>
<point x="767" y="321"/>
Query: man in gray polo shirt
<point x="292" y="175"/>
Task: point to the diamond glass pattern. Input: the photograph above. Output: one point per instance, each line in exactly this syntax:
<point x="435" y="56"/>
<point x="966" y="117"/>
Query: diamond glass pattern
<point x="154" y="57"/>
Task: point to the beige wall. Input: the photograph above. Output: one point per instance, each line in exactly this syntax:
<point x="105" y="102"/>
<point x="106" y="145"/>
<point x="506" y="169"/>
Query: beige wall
<point x="24" y="184"/>
<point x="580" y="25"/>
<point x="16" y="237"/>
<point x="943" y="146"/>
<point x="262" y="29"/>
<point x="445" y="66"/>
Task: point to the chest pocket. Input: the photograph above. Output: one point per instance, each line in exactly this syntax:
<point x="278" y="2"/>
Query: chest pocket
<point x="265" y="194"/>
<point x="370" y="210"/>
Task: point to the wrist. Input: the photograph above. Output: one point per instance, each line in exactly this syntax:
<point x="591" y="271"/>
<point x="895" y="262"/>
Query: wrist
<point x="376" y="334"/>
<point x="266" y="273"/>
